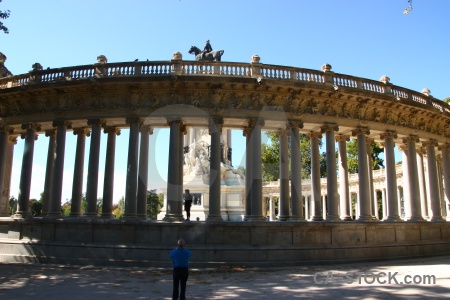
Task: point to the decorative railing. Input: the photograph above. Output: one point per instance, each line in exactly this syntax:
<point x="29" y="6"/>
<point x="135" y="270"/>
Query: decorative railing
<point x="228" y="69"/>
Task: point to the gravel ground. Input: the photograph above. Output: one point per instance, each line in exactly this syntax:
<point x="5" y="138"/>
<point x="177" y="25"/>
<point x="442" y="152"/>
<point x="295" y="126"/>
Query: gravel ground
<point x="374" y="280"/>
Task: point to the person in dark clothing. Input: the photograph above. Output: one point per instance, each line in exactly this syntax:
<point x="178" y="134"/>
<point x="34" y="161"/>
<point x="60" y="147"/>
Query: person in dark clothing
<point x="180" y="262"/>
<point x="206" y="50"/>
<point x="187" y="204"/>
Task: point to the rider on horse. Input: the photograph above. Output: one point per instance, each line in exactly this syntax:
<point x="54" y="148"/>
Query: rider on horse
<point x="207" y="49"/>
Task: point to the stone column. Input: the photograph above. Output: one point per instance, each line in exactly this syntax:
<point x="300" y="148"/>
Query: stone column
<point x="23" y="203"/>
<point x="229" y="147"/>
<point x="446" y="174"/>
<point x="146" y="131"/>
<point x="272" y="209"/>
<point x="405" y="181"/>
<point x="93" y="166"/>
<point x="4" y="201"/>
<point x="77" y="185"/>
<point x="256" y="194"/>
<point x="307" y="213"/>
<point x="422" y="186"/>
<point x="174" y="198"/>
<point x="364" y="194"/>
<point x="344" y="191"/>
<point x="108" y="182"/>
<point x="296" y="173"/>
<point x="283" y="205"/>
<point x="392" y="213"/>
<point x="58" y="168"/>
<point x="384" y="203"/>
<point x="315" y="176"/>
<point x="132" y="168"/>
<point x="215" y="130"/>
<point x="4" y="137"/>
<point x="247" y="132"/>
<point x="332" y="194"/>
<point x="49" y="171"/>
<point x="373" y="199"/>
<point x="433" y="180"/>
<point x="414" y="192"/>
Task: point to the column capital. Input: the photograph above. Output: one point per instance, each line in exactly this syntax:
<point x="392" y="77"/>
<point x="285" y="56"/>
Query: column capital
<point x="247" y="131"/>
<point x="430" y="143"/>
<point x="13" y="139"/>
<point x="402" y="147"/>
<point x="360" y="130"/>
<point x="411" y="138"/>
<point x="112" y="129"/>
<point x="329" y="127"/>
<point x="342" y="138"/>
<point x="50" y="133"/>
<point x="171" y="120"/>
<point x="146" y="129"/>
<point x="134" y="119"/>
<point x="421" y="150"/>
<point x="99" y="122"/>
<point x="215" y="122"/>
<point x="23" y="135"/>
<point x="444" y="147"/>
<point x="295" y="124"/>
<point x="283" y="132"/>
<point x="82" y="131"/>
<point x="388" y="135"/>
<point x="6" y="129"/>
<point x="256" y="121"/>
<point x="369" y="141"/>
<point x="315" y="135"/>
<point x="64" y="123"/>
<point x="31" y="125"/>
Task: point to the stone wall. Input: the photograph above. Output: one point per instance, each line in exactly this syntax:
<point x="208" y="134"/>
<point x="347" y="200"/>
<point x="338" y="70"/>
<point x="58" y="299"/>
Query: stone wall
<point x="147" y="243"/>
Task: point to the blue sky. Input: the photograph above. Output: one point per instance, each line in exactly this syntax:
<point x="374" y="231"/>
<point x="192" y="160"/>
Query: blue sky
<point x="357" y="37"/>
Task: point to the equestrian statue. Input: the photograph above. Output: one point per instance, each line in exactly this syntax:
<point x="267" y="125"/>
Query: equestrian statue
<point x="208" y="54"/>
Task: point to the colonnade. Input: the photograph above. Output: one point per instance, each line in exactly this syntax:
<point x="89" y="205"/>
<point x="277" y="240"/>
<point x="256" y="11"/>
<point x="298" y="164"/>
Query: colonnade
<point x="417" y="188"/>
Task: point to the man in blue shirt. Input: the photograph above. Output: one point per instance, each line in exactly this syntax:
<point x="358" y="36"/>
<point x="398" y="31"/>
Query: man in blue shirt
<point x="180" y="263"/>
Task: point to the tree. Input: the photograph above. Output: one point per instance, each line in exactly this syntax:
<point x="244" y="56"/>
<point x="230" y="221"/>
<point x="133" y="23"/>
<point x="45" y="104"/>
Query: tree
<point x="352" y="156"/>
<point x="36" y="207"/>
<point x="271" y="157"/>
<point x="447" y="100"/>
<point x="4" y="14"/>
<point x="12" y="205"/>
<point x="119" y="208"/>
<point x="154" y="204"/>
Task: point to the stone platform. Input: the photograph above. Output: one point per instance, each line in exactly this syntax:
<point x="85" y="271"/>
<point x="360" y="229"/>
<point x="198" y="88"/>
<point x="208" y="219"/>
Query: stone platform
<point x="146" y="243"/>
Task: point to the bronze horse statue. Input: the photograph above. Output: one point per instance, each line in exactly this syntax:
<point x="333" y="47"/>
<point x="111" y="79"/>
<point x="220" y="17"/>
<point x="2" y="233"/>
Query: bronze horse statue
<point x="214" y="55"/>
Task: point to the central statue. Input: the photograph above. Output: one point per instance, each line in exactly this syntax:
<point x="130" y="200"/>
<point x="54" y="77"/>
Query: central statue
<point x="208" y="54"/>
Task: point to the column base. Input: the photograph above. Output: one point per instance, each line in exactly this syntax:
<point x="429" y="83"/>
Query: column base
<point x="297" y="219"/>
<point x="256" y="219"/>
<point x="173" y="218"/>
<point x="21" y="215"/>
<point x="334" y="218"/>
<point x="416" y="219"/>
<point x="214" y="218"/>
<point x="52" y="215"/>
<point x="393" y="219"/>
<point x="347" y="218"/>
<point x="366" y="218"/>
<point x="437" y="219"/>
<point x="75" y="215"/>
<point x="107" y="216"/>
<point x="317" y="218"/>
<point x="283" y="218"/>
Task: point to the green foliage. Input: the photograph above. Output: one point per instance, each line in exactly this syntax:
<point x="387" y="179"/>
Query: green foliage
<point x="352" y="156"/>
<point x="36" y="207"/>
<point x="119" y="209"/>
<point x="4" y="14"/>
<point x="154" y="204"/>
<point x="12" y="205"/>
<point x="447" y="100"/>
<point x="65" y="209"/>
<point x="271" y="157"/>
